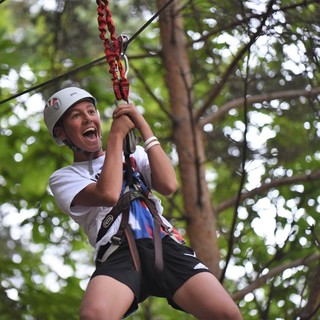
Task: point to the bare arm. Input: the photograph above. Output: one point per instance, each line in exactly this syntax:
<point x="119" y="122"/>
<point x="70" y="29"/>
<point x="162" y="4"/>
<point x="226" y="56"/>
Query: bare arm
<point x="106" y="191"/>
<point x="162" y="173"/>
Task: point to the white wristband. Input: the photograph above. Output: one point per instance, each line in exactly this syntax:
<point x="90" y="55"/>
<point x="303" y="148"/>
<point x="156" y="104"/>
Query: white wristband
<point x="153" y="138"/>
<point x="151" y="144"/>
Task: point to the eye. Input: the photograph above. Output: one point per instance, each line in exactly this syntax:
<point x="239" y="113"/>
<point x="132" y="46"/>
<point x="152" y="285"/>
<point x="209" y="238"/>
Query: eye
<point x="92" y="111"/>
<point x="75" y="115"/>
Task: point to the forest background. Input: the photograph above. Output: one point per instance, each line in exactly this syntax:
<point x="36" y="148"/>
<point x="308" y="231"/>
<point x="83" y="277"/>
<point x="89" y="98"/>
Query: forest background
<point x="231" y="89"/>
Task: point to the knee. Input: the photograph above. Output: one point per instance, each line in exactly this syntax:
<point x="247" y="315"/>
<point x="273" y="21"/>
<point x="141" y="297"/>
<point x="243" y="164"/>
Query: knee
<point x="232" y="313"/>
<point x="86" y="315"/>
<point x="90" y="313"/>
<point x="98" y="311"/>
<point x="224" y="312"/>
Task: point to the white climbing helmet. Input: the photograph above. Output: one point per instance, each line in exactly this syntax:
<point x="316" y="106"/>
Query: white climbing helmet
<point x="59" y="103"/>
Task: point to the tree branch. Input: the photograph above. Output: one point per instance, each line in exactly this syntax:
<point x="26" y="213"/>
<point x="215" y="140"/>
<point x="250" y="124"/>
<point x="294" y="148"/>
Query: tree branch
<point x="232" y="25"/>
<point x="260" y="281"/>
<point x="217" y="89"/>
<point x="313" y="304"/>
<point x="238" y="103"/>
<point x="148" y="89"/>
<point x="267" y="186"/>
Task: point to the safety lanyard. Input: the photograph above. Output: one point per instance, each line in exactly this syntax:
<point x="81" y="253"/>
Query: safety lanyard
<point x="114" y="49"/>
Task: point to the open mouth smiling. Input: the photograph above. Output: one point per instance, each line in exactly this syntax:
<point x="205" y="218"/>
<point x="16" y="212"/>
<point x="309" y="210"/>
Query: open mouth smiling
<point x="90" y="133"/>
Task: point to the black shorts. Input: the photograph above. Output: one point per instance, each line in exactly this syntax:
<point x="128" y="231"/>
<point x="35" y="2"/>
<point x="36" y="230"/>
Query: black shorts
<point x="180" y="263"/>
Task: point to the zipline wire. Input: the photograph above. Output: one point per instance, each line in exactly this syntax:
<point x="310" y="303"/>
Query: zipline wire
<point x="86" y="66"/>
<point x="43" y="84"/>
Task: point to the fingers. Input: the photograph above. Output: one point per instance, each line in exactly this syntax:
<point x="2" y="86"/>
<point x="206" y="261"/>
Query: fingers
<point x="132" y="112"/>
<point x="122" y="124"/>
<point x="124" y="109"/>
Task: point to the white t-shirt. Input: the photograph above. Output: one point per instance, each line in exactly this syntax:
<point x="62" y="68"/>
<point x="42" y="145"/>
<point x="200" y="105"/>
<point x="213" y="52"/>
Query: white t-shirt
<point x="67" y="182"/>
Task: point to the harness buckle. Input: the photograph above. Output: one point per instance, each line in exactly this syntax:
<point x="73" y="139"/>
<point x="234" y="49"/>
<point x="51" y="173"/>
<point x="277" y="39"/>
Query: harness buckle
<point x="135" y="194"/>
<point x="116" y="240"/>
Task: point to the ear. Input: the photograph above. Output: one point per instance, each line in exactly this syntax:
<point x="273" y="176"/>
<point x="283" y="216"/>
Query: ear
<point x="60" y="133"/>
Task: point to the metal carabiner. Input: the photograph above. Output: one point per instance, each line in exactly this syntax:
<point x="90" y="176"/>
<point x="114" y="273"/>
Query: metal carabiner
<point x="123" y="42"/>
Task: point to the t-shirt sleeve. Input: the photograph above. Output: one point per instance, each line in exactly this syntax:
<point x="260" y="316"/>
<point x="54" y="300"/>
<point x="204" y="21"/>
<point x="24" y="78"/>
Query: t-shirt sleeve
<point x="143" y="165"/>
<point x="65" y="184"/>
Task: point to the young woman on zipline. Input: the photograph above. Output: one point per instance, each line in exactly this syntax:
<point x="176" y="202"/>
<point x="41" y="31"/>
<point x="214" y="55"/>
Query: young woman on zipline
<point x="131" y="262"/>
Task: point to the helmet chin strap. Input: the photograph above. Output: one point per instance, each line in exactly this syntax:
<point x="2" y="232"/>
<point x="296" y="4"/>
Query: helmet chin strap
<point x="74" y="148"/>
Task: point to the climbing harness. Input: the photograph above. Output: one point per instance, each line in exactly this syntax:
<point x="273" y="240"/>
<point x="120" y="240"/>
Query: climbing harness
<point x="115" y="51"/>
<point x="132" y="192"/>
<point x="123" y="207"/>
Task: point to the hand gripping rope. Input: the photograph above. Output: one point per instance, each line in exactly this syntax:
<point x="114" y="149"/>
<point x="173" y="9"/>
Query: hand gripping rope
<point x="114" y="49"/>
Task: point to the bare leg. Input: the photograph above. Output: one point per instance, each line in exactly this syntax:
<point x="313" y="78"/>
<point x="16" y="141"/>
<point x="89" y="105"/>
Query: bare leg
<point x="105" y="298"/>
<point x="205" y="298"/>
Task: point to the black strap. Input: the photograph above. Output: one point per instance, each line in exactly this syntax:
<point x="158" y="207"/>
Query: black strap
<point x="157" y="241"/>
<point x="123" y="203"/>
<point x="129" y="171"/>
<point x="133" y="248"/>
<point x="118" y="238"/>
<point x="158" y="258"/>
<point x="123" y="206"/>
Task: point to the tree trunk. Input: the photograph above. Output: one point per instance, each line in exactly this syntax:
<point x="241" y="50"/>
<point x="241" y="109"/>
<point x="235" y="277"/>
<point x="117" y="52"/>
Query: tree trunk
<point x="201" y="220"/>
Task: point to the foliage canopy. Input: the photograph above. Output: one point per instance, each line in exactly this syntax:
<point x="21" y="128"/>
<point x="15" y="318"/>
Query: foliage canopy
<point x="255" y="97"/>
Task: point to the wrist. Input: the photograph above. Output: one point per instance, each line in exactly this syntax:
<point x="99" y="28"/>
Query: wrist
<point x="150" y="142"/>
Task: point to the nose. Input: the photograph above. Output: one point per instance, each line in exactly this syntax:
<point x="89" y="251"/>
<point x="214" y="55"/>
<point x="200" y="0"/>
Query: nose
<point x="87" y="118"/>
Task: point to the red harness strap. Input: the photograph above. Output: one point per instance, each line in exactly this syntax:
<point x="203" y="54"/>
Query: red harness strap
<point x="113" y="49"/>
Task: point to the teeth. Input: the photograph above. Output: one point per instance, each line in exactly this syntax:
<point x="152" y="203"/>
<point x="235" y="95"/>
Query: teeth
<point x="89" y="130"/>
